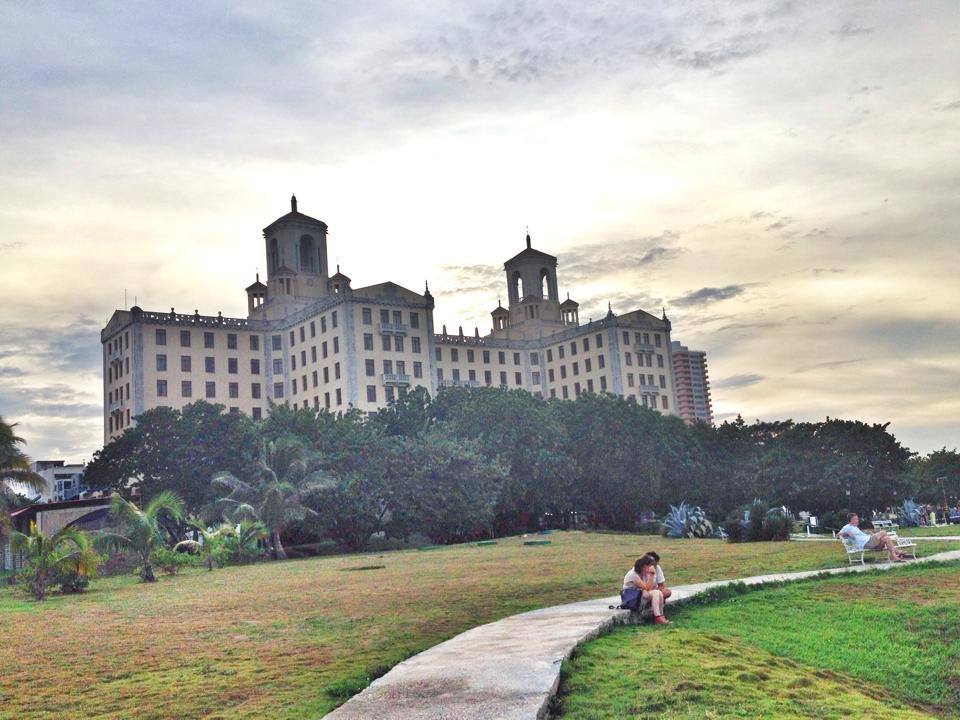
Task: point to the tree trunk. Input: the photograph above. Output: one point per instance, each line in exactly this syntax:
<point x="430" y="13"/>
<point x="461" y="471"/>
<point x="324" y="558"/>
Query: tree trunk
<point x="147" y="573"/>
<point x="278" y="546"/>
<point x="209" y="563"/>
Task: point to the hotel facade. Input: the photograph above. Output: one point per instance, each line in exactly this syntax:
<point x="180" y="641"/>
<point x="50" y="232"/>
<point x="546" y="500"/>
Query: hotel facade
<point x="313" y="341"/>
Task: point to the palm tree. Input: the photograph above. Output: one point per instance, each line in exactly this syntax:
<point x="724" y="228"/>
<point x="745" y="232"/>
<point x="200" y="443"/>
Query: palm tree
<point x="282" y="472"/>
<point x="14" y="471"/>
<point x="143" y="532"/>
<point x="243" y="545"/>
<point x="211" y="540"/>
<point x="67" y="551"/>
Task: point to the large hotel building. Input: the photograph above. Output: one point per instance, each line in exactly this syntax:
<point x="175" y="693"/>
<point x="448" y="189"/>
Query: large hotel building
<point x="313" y="341"/>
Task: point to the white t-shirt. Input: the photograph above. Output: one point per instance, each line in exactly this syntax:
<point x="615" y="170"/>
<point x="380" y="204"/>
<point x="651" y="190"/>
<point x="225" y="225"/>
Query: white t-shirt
<point x="858" y="536"/>
<point x="659" y="579"/>
<point x="630" y="579"/>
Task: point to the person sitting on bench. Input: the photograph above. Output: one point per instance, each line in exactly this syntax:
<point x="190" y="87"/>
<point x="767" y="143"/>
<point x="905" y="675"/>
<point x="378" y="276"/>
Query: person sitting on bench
<point x="660" y="580"/>
<point x="640" y="588"/>
<point x="877" y="541"/>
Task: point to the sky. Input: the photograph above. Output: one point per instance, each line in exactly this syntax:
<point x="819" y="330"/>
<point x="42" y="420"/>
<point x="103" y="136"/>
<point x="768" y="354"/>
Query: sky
<point x="783" y="178"/>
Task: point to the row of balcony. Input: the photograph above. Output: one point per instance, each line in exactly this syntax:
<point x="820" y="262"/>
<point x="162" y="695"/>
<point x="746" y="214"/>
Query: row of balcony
<point x="115" y="406"/>
<point x="460" y="383"/>
<point x="644" y="347"/>
<point x="395" y="379"/>
<point x="115" y="355"/>
<point x="393" y="329"/>
<point x="648" y="388"/>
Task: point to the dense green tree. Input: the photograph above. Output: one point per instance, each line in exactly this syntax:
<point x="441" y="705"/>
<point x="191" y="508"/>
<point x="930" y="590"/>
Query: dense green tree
<point x="935" y="476"/>
<point x="67" y="552"/>
<point x="15" y="474"/>
<point x="143" y="531"/>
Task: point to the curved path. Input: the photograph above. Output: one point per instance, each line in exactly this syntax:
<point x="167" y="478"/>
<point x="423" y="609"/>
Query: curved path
<point x="510" y="669"/>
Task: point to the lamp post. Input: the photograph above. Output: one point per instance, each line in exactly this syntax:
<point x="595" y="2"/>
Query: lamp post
<point x="943" y="493"/>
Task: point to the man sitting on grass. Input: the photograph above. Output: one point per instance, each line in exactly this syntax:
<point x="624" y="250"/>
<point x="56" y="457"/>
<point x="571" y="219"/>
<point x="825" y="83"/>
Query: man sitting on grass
<point x="870" y="542"/>
<point x="640" y="589"/>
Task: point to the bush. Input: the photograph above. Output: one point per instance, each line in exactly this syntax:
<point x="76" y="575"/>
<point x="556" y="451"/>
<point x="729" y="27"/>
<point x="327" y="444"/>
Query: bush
<point x="648" y="527"/>
<point x="756" y="522"/>
<point x="171" y="561"/>
<point x="686" y="521"/>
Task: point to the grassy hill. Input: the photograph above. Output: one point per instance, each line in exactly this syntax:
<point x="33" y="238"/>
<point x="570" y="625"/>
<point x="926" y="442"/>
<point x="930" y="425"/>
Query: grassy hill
<point x="295" y="639"/>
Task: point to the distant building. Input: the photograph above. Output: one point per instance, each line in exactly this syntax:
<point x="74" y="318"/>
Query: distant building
<point x="312" y="340"/>
<point x="64" y="482"/>
<point x="692" y="383"/>
<point x="48" y="518"/>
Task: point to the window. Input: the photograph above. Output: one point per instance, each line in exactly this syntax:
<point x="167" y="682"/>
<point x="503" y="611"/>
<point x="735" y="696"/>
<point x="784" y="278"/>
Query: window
<point x="576" y="368"/>
<point x="415" y="344"/>
<point x="276" y="342"/>
<point x="160" y="337"/>
<point x="601" y="363"/>
<point x="385" y="342"/>
<point x="210" y="388"/>
<point x="234" y="390"/>
<point x="486" y="356"/>
<point x="323" y="348"/>
<point x="470" y="356"/>
<point x="456" y="374"/>
<point x="368" y="341"/>
<point x="550" y="375"/>
<point x="586" y="365"/>
<point x="573" y="348"/>
<point x="566" y="393"/>
<point x="438" y="353"/>
<point x="516" y="358"/>
<point x="371" y="393"/>
<point x="589" y="385"/>
<point x="255" y="391"/>
<point x="603" y="382"/>
<point x="257" y="413"/>
<point x="313" y="353"/>
<point x="472" y="375"/>
<point x="385" y="316"/>
<point x="294" y="386"/>
<point x="626" y="338"/>
<point x="185" y="363"/>
<point x="339" y="397"/>
<point x="630" y="379"/>
<point x="313" y="328"/>
<point x="599" y="339"/>
<point x="326" y="400"/>
<point x="417" y="369"/>
<point x="333" y="319"/>
<point x="517" y="378"/>
<point x="161" y="363"/>
<point x="303" y="334"/>
<point x="293" y="338"/>
<point x="336" y="371"/>
<point x="663" y="382"/>
<point x="586" y="344"/>
<point x="231" y="341"/>
<point x="371" y="368"/>
<point x="663" y="402"/>
<point x="553" y="392"/>
<point x="388" y="391"/>
<point x="397" y="317"/>
<point x="278" y="389"/>
<point x="536" y="377"/>
<point x="388" y="367"/>
<point x="656" y="340"/>
<point x="161" y="388"/>
<point x="629" y="358"/>
<point x="401" y="367"/>
<point x="659" y="361"/>
<point x="560" y="352"/>
<point x="367" y="315"/>
<point x="254" y="342"/>
<point x="534" y="358"/>
<point x="208" y="339"/>
<point x="502" y="358"/>
<point x="454" y="355"/>
<point x="440" y="375"/>
<point x="232" y="366"/>
<point x="277" y="366"/>
<point x="186" y="388"/>
<point x="254" y="366"/>
<point x="323" y="323"/>
<point x="563" y="372"/>
<point x="549" y="355"/>
<point x="576" y="389"/>
<point x="503" y="379"/>
<point x="487" y="377"/>
<point x="414" y="320"/>
<point x="209" y="364"/>
<point x="184" y="338"/>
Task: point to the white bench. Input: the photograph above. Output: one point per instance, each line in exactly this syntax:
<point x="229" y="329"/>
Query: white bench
<point x="855" y="554"/>
<point x="884" y="525"/>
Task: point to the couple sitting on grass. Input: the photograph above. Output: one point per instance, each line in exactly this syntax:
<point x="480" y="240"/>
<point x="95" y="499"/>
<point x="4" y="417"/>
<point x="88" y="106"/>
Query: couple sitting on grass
<point x="645" y="585"/>
<point x="878" y="541"/>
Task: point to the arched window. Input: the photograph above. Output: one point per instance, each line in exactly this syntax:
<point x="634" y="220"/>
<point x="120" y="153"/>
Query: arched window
<point x="544" y="283"/>
<point x="306" y="253"/>
<point x="516" y="286"/>
<point x="274" y="255"/>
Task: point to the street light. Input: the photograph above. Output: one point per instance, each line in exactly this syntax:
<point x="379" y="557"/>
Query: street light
<point x="943" y="492"/>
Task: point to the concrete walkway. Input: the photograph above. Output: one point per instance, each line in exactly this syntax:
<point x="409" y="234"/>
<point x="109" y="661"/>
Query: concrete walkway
<point x="510" y="669"/>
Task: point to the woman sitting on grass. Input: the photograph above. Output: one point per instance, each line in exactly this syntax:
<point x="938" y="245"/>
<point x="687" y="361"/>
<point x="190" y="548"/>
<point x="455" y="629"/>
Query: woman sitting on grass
<point x="640" y="589"/>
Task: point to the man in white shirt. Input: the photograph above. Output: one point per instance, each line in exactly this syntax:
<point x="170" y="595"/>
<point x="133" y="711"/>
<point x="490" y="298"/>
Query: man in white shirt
<point x="870" y="542"/>
<point x="659" y="579"/>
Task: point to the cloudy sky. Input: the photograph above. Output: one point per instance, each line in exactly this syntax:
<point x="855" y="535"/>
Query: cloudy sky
<point x="783" y="177"/>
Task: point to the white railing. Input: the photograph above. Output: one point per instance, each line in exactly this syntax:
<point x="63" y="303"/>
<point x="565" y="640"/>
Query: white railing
<point x="395" y="379"/>
<point x="393" y="329"/>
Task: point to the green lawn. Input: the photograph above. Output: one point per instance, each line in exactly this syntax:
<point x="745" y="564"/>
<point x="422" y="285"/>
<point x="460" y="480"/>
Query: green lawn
<point x="876" y="645"/>
<point x="295" y="639"/>
<point x="930" y="531"/>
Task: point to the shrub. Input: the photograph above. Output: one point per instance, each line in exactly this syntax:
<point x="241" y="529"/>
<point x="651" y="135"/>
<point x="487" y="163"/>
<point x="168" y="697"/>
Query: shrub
<point x="757" y="521"/>
<point x="171" y="561"/>
<point x="909" y="513"/>
<point x="686" y="521"/>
